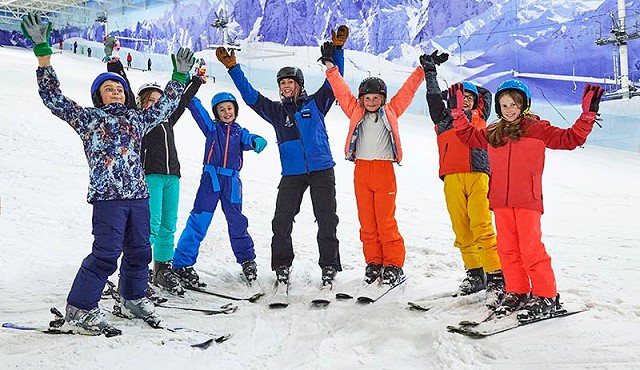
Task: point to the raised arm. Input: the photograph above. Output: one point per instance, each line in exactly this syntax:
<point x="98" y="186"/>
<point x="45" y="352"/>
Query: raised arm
<point x="403" y="98"/>
<point x="201" y="116"/>
<point x="189" y="92"/>
<point x="437" y="109"/>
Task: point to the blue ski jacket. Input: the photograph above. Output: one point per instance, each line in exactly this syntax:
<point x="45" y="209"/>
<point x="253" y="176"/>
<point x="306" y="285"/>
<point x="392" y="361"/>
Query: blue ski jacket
<point x="224" y="147"/>
<point x="111" y="136"/>
<point x="300" y="128"/>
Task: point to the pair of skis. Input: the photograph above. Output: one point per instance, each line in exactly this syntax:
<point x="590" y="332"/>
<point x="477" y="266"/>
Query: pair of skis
<point x="58" y="326"/>
<point x="486" y="322"/>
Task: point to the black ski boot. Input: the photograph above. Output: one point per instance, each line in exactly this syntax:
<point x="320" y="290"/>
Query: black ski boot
<point x="538" y="308"/>
<point x="328" y="274"/>
<point x="282" y="274"/>
<point x="473" y="283"/>
<point x="495" y="289"/>
<point x="189" y="277"/>
<point x="372" y="272"/>
<point x="511" y="302"/>
<point x="250" y="270"/>
<point x="392" y="275"/>
<point x="165" y="278"/>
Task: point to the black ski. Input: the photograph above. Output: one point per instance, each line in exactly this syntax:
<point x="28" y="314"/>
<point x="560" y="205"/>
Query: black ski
<point x="252" y="297"/>
<point x="229" y="308"/>
<point x="373" y="292"/>
<point x="510" y="322"/>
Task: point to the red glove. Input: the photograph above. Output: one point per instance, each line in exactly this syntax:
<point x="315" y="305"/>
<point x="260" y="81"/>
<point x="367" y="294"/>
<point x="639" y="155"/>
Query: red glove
<point x="456" y="97"/>
<point x="591" y="98"/>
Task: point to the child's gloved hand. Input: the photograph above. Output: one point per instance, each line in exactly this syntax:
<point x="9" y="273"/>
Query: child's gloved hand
<point x="182" y="62"/>
<point x="429" y="62"/>
<point x="456" y="97"/>
<point x="229" y="60"/>
<point x="326" y="52"/>
<point x="259" y="144"/>
<point x="110" y="44"/>
<point x="591" y="98"/>
<point x="340" y="37"/>
<point x="38" y="31"/>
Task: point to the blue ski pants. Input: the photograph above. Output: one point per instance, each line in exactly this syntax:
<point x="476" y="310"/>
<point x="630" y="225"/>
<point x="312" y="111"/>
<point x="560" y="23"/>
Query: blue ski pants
<point x="120" y="227"/>
<point x="200" y="218"/>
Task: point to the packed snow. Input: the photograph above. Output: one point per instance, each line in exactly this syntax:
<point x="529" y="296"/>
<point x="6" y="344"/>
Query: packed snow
<point x="590" y="229"/>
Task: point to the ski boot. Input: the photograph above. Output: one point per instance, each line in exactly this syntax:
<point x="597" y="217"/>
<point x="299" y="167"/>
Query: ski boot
<point x="250" y="270"/>
<point x="90" y="321"/>
<point x="372" y="272"/>
<point x="165" y="278"/>
<point x="511" y="302"/>
<point x="328" y="274"/>
<point x="538" y="308"/>
<point x="141" y="308"/>
<point x="189" y="277"/>
<point x="495" y="289"/>
<point x="392" y="275"/>
<point x="473" y="283"/>
<point x="282" y="274"/>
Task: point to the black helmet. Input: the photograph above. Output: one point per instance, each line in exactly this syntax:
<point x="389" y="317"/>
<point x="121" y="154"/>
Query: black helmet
<point x="293" y="73"/>
<point x="372" y="85"/>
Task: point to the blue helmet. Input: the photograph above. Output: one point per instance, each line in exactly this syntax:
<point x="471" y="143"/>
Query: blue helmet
<point x="469" y="87"/>
<point x="221" y="98"/>
<point x="518" y="86"/>
<point x="102" y="77"/>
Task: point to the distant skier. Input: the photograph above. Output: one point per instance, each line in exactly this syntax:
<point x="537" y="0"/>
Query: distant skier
<point x="305" y="157"/>
<point x="516" y="144"/>
<point x="220" y="183"/>
<point x="162" y="171"/>
<point x="465" y="175"/>
<point x="111" y="136"/>
<point x="374" y="145"/>
<point x="129" y="59"/>
<point x="149" y="64"/>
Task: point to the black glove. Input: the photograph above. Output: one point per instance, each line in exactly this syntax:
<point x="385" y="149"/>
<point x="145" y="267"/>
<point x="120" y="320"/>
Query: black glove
<point x="327" y="52"/>
<point x="439" y="59"/>
<point x="591" y="98"/>
<point x="427" y="62"/>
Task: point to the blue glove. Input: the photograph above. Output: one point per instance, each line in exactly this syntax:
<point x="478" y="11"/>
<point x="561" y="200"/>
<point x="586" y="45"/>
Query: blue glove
<point x="38" y="31"/>
<point x="259" y="144"/>
<point x="182" y="62"/>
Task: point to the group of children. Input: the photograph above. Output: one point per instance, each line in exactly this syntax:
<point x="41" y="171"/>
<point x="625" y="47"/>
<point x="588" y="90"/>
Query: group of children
<point x="132" y="156"/>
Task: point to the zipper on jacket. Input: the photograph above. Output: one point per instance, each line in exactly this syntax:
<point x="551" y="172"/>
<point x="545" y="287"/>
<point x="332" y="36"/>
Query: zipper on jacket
<point x="508" y="173"/>
<point x="210" y="152"/>
<point x="144" y="162"/>
<point x="166" y="147"/>
<point x="226" y="147"/>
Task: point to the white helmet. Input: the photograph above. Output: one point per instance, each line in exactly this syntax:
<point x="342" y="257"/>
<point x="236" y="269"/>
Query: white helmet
<point x="149" y="85"/>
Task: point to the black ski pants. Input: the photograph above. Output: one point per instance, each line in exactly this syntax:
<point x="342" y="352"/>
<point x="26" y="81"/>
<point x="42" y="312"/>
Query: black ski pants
<point x="323" y="198"/>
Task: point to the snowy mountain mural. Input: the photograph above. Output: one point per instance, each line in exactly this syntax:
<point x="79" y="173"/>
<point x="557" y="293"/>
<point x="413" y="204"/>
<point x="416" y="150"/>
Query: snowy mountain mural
<point x="489" y="38"/>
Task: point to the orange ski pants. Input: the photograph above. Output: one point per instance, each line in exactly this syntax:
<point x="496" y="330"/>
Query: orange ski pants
<point x="525" y="262"/>
<point x="375" y="188"/>
<point x="471" y="220"/>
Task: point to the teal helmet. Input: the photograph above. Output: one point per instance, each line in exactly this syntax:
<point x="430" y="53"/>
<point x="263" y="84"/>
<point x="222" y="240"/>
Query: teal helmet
<point x="518" y="86"/>
<point x="221" y="98"/>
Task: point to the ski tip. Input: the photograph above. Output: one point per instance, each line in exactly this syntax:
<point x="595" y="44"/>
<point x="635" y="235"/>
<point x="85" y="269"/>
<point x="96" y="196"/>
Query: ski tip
<point x="418" y="307"/>
<point x="343" y="296"/>
<point x="278" y="305"/>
